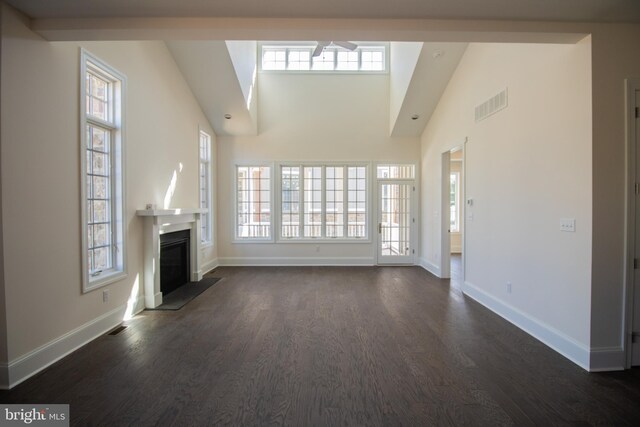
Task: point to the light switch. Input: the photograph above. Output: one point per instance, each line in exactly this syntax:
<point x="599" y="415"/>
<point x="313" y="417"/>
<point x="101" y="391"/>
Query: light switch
<point x="568" y="224"/>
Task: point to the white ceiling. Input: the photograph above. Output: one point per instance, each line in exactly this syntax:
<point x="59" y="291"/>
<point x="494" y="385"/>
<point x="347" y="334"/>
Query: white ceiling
<point x="436" y="64"/>
<point x="209" y="72"/>
<point x="544" y="10"/>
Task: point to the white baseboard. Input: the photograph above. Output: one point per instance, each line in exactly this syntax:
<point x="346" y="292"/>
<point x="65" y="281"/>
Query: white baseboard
<point x="209" y="265"/>
<point x="605" y="359"/>
<point x="27" y="365"/>
<point x="430" y="267"/>
<point x="567" y="346"/>
<point x="294" y="261"/>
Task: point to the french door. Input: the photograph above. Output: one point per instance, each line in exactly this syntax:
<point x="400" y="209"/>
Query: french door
<point x="395" y="222"/>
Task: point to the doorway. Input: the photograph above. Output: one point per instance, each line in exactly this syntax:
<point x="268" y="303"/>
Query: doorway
<point x="395" y="222"/>
<point x="452" y="218"/>
<point x="456" y="203"/>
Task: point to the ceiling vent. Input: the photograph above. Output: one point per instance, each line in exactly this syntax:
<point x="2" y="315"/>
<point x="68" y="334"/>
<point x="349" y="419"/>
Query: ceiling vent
<point x="492" y="105"/>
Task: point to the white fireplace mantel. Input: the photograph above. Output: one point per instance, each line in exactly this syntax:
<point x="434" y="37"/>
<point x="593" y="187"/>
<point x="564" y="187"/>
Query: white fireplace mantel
<point x="156" y="223"/>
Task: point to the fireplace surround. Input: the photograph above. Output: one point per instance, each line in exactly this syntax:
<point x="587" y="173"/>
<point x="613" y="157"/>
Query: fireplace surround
<point x="158" y="222"/>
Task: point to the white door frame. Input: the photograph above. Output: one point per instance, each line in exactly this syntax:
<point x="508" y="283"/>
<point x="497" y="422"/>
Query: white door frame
<point x="445" y="236"/>
<point x="632" y="87"/>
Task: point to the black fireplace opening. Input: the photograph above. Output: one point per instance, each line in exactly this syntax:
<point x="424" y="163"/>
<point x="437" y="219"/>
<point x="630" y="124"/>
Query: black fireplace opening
<point x="174" y="260"/>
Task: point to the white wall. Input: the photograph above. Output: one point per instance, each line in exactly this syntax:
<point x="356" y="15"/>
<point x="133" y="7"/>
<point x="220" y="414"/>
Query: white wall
<point x="310" y="117"/>
<point x="527" y="166"/>
<point x="41" y="176"/>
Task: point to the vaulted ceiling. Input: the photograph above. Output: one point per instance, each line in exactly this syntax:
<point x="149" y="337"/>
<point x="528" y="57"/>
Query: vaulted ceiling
<point x="223" y="77"/>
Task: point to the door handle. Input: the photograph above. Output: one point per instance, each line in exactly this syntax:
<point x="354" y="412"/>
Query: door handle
<point x="379" y="228"/>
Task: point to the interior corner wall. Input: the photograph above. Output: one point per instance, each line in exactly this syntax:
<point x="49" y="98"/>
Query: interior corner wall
<point x="41" y="178"/>
<point x="527" y="167"/>
<point x="310" y="118"/>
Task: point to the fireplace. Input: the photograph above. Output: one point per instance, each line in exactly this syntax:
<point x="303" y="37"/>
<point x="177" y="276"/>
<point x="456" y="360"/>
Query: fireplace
<point x="174" y="260"/>
<point x="159" y="223"/>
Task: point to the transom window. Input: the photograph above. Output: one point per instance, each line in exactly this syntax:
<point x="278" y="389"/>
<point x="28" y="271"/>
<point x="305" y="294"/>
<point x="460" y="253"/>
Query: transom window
<point x="396" y="172"/>
<point x="328" y="201"/>
<point x="102" y="191"/>
<point x="253" y="198"/>
<point x="333" y="58"/>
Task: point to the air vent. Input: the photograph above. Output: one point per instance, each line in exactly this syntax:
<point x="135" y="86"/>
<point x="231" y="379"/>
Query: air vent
<point x="492" y="105"/>
<point x="117" y="330"/>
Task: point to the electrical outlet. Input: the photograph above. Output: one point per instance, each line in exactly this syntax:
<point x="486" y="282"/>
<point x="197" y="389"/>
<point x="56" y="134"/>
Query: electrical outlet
<point x="508" y="287"/>
<point x="317" y="248"/>
<point x="568" y="224"/>
<point x="105" y="296"/>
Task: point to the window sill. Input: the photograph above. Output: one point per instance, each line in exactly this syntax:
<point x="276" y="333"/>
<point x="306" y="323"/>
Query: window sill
<point x="252" y="241"/>
<point x="104" y="280"/>
<point x="363" y="72"/>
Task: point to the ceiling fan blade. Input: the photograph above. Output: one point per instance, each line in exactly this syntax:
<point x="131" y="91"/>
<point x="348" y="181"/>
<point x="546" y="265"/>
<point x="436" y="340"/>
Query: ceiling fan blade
<point x="318" y="50"/>
<point x="346" y="45"/>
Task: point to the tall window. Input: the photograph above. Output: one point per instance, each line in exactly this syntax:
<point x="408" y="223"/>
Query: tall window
<point x="253" y="214"/>
<point x="205" y="187"/>
<point x="102" y="170"/>
<point x="290" y="202"/>
<point x="323" y="201"/>
<point x="313" y="201"/>
<point x="334" y="191"/>
<point x="357" y="201"/>
<point x="454" y="201"/>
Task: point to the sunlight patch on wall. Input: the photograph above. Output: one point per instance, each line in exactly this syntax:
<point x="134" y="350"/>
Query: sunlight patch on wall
<point x="133" y="299"/>
<point x="170" y="190"/>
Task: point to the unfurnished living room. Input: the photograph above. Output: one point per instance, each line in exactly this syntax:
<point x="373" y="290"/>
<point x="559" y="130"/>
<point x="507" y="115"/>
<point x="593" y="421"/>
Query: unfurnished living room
<point x="319" y="213"/>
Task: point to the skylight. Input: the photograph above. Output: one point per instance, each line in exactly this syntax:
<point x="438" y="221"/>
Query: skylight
<point x="299" y="58"/>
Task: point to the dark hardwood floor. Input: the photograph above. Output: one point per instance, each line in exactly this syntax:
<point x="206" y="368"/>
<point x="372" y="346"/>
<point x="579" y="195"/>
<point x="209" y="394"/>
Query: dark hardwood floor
<point x="329" y="346"/>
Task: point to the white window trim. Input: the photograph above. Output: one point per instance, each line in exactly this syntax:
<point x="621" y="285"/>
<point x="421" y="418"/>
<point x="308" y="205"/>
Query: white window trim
<point x="362" y="46"/>
<point x="323" y="239"/>
<point x="119" y="271"/>
<point x="207" y="243"/>
<point x="253" y="240"/>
